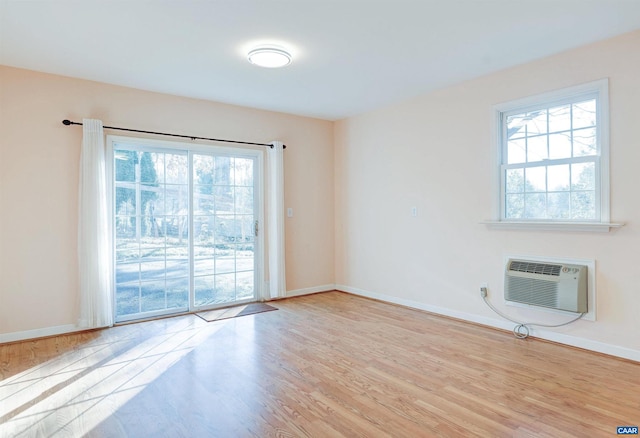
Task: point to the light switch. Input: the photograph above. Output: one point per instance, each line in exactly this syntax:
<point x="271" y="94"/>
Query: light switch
<point x="289" y="212"/>
<point x="414" y="211"/>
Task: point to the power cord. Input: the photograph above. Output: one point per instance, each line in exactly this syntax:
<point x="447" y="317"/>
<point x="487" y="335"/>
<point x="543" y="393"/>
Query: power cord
<point x="521" y="330"/>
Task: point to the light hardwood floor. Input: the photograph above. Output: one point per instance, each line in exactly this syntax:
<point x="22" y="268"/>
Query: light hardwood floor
<point x="325" y="365"/>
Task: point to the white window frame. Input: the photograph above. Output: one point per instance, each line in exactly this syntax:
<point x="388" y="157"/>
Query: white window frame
<point x="600" y="91"/>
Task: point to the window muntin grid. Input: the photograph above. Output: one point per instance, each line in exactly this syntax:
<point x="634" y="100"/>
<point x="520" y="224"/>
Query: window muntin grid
<point x="551" y="161"/>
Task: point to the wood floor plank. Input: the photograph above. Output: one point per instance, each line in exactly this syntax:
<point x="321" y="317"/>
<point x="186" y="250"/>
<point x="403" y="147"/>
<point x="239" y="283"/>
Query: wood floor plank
<point x="324" y="365"/>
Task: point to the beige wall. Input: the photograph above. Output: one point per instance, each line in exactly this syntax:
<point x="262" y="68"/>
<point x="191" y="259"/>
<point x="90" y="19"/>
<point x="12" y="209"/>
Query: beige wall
<point x="39" y="183"/>
<point x="435" y="152"/>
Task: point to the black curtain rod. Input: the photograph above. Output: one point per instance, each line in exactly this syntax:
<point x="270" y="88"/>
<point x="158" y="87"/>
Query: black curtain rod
<point x="69" y="122"/>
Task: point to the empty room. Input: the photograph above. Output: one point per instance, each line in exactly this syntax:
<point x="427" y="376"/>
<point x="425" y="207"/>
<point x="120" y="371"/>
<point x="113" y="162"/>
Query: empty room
<point x="280" y="218"/>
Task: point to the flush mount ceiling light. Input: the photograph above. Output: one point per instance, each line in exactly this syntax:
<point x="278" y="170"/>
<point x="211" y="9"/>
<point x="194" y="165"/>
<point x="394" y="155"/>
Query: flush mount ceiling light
<point x="269" y="57"/>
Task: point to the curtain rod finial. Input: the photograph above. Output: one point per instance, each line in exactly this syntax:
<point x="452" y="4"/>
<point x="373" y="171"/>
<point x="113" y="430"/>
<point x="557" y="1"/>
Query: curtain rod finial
<point x="66" y="122"/>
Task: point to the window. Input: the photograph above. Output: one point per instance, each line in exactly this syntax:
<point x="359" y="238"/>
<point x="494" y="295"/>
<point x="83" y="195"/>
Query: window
<point x="553" y="157"/>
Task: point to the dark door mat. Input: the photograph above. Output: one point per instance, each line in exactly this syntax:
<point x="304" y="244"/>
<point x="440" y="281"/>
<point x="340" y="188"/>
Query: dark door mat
<point x="234" y="312"/>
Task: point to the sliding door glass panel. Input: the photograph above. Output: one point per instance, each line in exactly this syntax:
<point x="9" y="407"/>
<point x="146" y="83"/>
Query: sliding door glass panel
<point x="245" y="214"/>
<point x="223" y="228"/>
<point x="151" y="242"/>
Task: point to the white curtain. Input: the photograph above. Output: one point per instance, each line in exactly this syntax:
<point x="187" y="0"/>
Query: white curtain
<point x="275" y="220"/>
<point x="94" y="247"/>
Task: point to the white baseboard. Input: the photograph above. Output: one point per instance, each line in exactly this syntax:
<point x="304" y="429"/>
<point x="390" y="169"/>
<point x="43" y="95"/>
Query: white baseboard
<point x="587" y="344"/>
<point x="310" y="290"/>
<point x="574" y="341"/>
<point x="39" y="333"/>
<point x="70" y="328"/>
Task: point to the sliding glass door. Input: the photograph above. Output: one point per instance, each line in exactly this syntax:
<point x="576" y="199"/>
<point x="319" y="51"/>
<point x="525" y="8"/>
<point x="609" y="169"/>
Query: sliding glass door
<point x="185" y="222"/>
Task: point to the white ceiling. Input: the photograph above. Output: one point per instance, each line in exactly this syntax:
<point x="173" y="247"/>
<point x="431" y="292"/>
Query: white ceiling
<point x="350" y="56"/>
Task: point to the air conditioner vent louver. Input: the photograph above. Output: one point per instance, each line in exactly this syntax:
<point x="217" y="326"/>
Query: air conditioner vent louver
<point x="538" y="293"/>
<point x="562" y="287"/>
<point x="535" y="267"/>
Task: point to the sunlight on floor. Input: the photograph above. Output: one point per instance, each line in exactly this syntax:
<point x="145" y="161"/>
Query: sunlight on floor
<point x="75" y="392"/>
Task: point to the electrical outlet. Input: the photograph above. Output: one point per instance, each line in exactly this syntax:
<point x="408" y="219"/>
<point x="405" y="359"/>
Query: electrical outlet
<point x="484" y="289"/>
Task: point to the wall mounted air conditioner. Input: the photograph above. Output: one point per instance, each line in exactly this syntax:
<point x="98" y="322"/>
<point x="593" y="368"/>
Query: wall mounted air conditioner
<point x="553" y="285"/>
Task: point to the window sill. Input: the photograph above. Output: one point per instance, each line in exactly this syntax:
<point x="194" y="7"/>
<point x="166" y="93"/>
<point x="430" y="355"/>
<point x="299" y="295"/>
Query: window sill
<point x="590" y="227"/>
